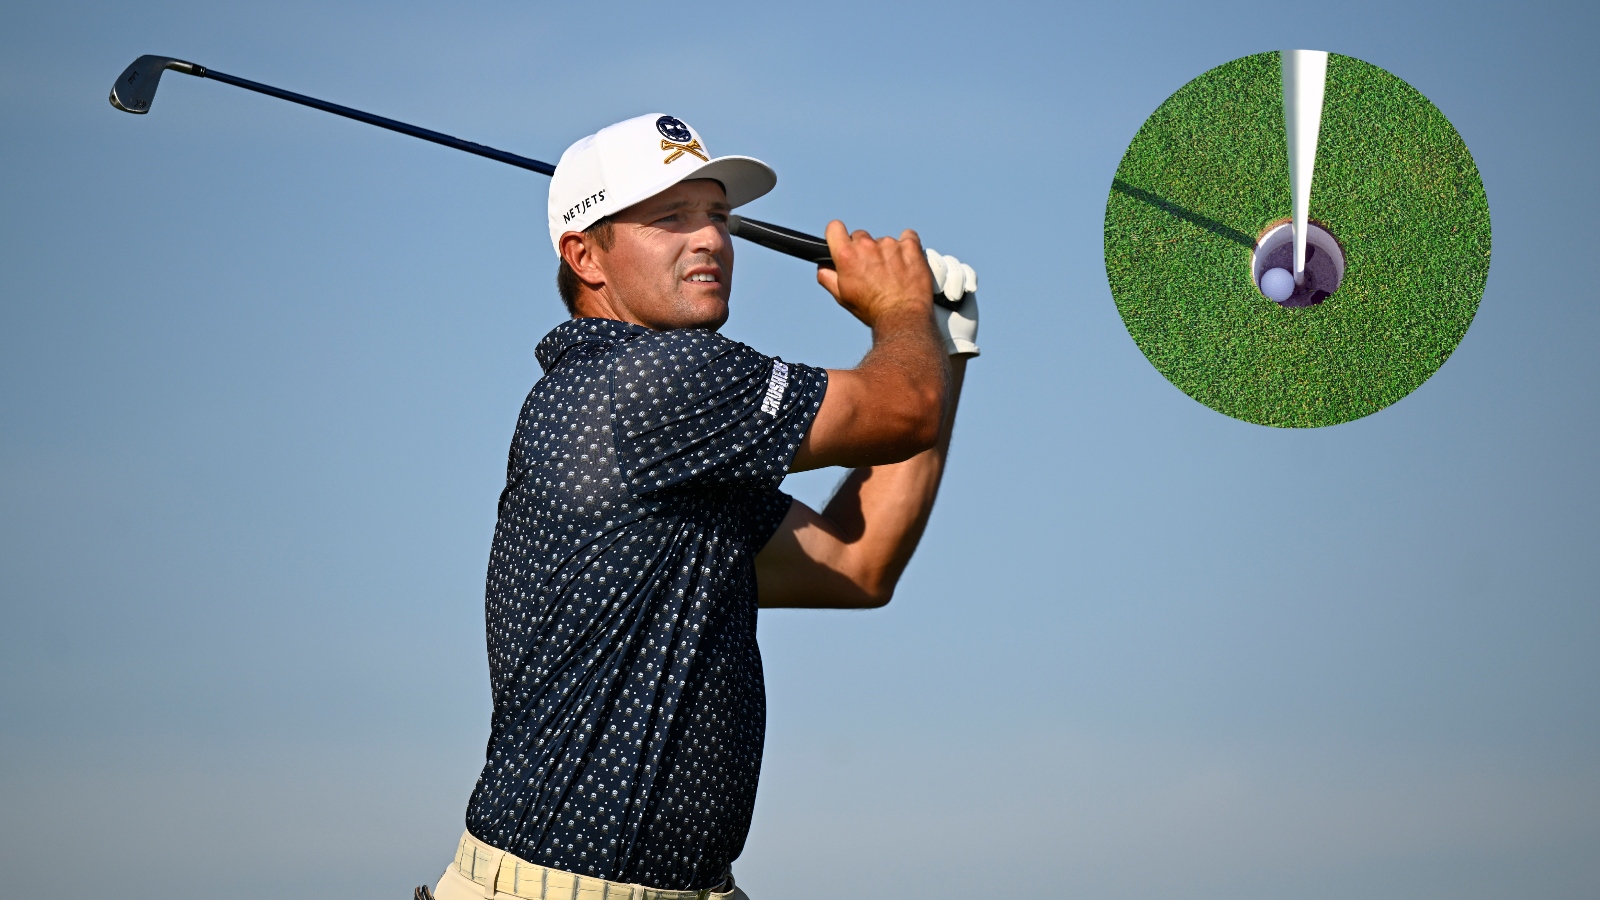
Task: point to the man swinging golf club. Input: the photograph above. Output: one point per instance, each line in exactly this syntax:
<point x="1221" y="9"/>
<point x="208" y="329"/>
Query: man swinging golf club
<point x="641" y="521"/>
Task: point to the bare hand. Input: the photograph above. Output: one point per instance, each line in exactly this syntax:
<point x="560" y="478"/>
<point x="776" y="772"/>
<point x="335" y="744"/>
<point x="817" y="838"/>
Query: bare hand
<point x="877" y="277"/>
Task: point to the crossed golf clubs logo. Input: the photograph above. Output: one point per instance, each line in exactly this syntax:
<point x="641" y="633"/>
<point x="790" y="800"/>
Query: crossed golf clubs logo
<point x="680" y="149"/>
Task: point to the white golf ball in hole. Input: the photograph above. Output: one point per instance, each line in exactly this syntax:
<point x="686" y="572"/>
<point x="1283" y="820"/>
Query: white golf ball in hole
<point x="1277" y="284"/>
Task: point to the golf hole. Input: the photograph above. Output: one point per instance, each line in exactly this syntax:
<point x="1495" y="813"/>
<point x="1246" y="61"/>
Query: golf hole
<point x="1324" y="261"/>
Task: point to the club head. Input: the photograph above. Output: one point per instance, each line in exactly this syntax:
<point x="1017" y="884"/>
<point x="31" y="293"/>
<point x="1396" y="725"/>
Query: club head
<point x="135" y="88"/>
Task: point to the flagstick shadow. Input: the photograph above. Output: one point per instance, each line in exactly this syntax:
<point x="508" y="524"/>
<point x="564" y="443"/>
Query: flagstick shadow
<point x="1167" y="206"/>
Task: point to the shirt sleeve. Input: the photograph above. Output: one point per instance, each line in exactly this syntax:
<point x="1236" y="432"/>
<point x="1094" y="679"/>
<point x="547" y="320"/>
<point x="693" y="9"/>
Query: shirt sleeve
<point x="692" y="407"/>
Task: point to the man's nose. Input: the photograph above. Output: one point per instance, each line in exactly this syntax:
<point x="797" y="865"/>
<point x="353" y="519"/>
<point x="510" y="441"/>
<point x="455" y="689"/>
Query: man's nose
<point x="711" y="237"/>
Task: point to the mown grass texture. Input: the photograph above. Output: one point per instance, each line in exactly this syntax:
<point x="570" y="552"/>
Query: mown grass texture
<point x="1209" y="171"/>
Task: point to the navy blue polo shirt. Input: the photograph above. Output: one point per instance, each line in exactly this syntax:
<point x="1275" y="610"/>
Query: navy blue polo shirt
<point x="629" y="708"/>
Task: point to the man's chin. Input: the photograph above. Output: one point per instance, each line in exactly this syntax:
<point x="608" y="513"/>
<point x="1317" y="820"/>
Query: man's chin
<point x="702" y="312"/>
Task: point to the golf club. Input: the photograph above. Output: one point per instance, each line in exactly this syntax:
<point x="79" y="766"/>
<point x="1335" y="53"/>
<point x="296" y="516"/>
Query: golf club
<point x="135" y="90"/>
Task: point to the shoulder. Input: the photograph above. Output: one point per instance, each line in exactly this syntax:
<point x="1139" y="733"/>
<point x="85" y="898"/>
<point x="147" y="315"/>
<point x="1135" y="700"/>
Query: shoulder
<point x="683" y="352"/>
<point x="680" y="340"/>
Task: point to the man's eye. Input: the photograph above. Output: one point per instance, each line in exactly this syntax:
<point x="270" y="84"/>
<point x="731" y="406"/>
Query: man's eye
<point x="719" y="217"/>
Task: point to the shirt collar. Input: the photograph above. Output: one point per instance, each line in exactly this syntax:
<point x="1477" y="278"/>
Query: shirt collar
<point x="573" y="332"/>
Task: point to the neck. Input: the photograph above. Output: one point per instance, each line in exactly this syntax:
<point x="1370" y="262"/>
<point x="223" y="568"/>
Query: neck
<point x="598" y="305"/>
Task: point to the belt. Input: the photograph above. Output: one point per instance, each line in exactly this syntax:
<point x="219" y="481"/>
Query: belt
<point x="500" y="872"/>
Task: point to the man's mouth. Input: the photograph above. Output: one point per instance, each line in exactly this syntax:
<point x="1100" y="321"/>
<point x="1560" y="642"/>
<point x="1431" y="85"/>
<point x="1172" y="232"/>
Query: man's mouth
<point x="704" y="276"/>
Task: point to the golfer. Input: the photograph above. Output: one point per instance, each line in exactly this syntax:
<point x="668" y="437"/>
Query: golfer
<point x="641" y="524"/>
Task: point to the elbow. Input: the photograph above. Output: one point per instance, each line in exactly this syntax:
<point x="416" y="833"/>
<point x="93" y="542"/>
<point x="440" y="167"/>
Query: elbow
<point x="927" y="435"/>
<point x="876" y="597"/>
<point x="875" y="585"/>
<point x="925" y="418"/>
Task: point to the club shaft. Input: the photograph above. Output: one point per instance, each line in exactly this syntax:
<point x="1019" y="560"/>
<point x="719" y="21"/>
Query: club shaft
<point x="798" y="244"/>
<point x="436" y="137"/>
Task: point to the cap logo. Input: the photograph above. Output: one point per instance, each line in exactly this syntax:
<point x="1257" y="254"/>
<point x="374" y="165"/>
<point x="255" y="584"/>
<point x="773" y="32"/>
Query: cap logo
<point x="673" y="129"/>
<point x="680" y="149"/>
<point x="677" y="138"/>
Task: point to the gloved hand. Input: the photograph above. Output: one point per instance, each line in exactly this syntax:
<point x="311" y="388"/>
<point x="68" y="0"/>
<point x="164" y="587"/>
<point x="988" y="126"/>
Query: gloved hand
<point x="955" y="279"/>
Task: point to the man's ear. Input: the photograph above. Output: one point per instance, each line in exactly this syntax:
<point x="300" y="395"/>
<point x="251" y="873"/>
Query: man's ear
<point x="578" y="252"/>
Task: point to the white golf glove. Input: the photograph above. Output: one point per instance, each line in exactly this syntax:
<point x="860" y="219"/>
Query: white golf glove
<point x="955" y="279"/>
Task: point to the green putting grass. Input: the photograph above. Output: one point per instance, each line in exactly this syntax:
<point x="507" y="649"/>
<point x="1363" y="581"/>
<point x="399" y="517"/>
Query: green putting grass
<point x="1209" y="171"/>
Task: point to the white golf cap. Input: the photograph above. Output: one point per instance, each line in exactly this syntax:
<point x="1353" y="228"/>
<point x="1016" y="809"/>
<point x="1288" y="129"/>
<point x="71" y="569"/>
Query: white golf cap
<point x="620" y="165"/>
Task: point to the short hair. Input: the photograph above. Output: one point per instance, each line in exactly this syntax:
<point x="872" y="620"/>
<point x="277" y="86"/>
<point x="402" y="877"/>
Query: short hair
<point x="567" y="282"/>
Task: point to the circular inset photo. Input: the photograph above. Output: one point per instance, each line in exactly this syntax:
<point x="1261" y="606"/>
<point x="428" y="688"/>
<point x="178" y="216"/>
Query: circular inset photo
<point x="1285" y="306"/>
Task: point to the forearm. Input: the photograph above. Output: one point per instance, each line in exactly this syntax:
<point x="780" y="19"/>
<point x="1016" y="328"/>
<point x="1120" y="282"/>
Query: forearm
<point x="907" y="357"/>
<point x="888" y="408"/>
<point x="883" y="510"/>
<point x="863" y="539"/>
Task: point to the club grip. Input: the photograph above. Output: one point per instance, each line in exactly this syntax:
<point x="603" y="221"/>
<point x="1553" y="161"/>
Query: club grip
<point x="798" y="244"/>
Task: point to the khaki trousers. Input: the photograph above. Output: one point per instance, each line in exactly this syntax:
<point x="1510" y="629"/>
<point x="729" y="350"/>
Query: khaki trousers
<point x="480" y="872"/>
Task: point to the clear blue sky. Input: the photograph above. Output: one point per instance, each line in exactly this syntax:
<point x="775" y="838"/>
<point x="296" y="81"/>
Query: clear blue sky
<point x="259" y="368"/>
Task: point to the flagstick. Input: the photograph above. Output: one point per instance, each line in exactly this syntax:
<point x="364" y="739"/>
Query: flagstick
<point x="1305" y="72"/>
